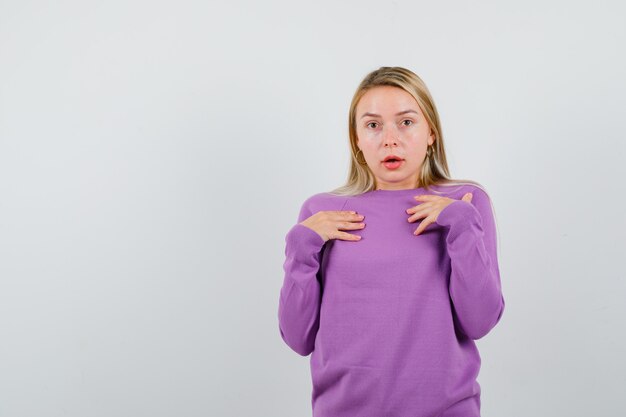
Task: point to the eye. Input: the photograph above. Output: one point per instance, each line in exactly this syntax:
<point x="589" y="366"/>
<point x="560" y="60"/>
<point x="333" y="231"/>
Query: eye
<point x="370" y="123"/>
<point x="407" y="120"/>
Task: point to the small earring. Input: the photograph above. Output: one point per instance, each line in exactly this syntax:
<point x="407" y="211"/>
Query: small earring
<point x="357" y="158"/>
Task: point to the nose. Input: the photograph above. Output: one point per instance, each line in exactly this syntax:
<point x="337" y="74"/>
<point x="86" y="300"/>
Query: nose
<point x="390" y="139"/>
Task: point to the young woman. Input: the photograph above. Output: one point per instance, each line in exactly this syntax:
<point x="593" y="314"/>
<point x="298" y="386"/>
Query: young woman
<point x="391" y="278"/>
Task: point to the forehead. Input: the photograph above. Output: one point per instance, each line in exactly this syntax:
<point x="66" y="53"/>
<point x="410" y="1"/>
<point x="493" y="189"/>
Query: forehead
<point x="386" y="99"/>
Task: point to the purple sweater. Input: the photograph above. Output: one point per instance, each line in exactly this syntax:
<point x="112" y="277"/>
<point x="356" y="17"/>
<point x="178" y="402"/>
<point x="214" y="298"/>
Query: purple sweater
<point x="391" y="319"/>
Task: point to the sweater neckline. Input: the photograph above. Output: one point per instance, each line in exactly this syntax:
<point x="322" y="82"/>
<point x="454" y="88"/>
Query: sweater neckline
<point x="401" y="191"/>
<point x="397" y="191"/>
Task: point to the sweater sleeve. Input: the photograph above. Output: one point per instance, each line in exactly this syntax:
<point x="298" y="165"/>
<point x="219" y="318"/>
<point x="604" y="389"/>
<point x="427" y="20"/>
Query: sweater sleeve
<point x="300" y="295"/>
<point x="475" y="286"/>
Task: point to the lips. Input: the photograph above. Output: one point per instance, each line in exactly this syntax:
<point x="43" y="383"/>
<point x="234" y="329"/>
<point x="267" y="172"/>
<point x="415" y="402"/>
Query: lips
<point x="392" y="163"/>
<point x="392" y="158"/>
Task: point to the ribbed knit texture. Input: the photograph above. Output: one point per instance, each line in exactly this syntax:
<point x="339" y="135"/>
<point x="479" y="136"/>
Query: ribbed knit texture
<point x="390" y="320"/>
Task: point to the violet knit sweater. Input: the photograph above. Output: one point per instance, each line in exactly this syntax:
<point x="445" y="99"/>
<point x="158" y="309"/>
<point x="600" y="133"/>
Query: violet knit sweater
<point x="391" y="319"/>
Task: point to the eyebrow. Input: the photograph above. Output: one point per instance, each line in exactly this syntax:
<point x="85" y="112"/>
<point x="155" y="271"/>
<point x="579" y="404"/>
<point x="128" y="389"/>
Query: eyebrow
<point x="397" y="114"/>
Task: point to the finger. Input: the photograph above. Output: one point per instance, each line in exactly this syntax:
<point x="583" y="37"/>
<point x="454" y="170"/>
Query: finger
<point x="422" y="226"/>
<point x="349" y="225"/>
<point x="338" y="215"/>
<point x="350" y="215"/>
<point x="426" y="197"/>
<point x="418" y="214"/>
<point x="421" y="206"/>
<point x="348" y="236"/>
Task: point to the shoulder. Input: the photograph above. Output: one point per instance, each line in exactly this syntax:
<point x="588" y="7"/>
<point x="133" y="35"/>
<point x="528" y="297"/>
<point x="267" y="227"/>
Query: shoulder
<point x="321" y="202"/>
<point x="458" y="190"/>
<point x="481" y="200"/>
<point x="480" y="208"/>
<point x="324" y="201"/>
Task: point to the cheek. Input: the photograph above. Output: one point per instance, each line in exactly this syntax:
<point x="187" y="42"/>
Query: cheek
<point x="415" y="136"/>
<point x="367" y="142"/>
<point x="416" y="143"/>
<point x="368" y="152"/>
<point x="368" y="135"/>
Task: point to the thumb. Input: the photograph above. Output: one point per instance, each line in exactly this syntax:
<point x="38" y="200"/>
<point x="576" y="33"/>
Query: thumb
<point x="467" y="197"/>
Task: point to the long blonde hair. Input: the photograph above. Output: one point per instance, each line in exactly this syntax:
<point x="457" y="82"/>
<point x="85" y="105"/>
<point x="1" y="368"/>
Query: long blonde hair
<point x="434" y="169"/>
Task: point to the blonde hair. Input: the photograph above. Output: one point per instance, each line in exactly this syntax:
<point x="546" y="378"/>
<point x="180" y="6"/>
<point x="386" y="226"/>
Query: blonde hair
<point x="434" y="170"/>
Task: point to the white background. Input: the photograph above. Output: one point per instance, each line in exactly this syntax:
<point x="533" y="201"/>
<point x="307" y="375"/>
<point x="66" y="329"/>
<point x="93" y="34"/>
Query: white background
<point x="153" y="154"/>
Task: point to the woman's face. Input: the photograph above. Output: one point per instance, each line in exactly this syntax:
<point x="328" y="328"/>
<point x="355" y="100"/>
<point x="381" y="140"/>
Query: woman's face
<point x="390" y="122"/>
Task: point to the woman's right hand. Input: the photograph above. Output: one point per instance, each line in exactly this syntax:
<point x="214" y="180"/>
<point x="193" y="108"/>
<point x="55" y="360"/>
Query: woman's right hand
<point x="328" y="224"/>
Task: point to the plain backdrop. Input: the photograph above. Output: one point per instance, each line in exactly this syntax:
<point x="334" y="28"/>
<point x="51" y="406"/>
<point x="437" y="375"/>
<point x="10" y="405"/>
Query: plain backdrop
<point x="153" y="155"/>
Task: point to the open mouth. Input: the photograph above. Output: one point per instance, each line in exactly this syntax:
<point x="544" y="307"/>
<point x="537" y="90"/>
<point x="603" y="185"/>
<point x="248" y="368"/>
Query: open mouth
<point x="392" y="158"/>
<point x="393" y="163"/>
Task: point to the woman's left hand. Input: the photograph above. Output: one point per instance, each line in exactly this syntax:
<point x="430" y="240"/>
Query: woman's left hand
<point x="430" y="208"/>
